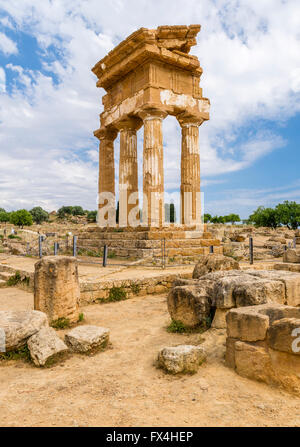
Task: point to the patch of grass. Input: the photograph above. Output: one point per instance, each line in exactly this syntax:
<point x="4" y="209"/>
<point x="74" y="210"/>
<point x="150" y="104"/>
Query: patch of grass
<point x="135" y="288"/>
<point x="18" y="354"/>
<point x="17" y="279"/>
<point x="61" y="323"/>
<point x="13" y="236"/>
<point x="117" y="294"/>
<point x="14" y="280"/>
<point x="111" y="254"/>
<point x="1" y="236"/>
<point x="80" y="317"/>
<point x="178" y="327"/>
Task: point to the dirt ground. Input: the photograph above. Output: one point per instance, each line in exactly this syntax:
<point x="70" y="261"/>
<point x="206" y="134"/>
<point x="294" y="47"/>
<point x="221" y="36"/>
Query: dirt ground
<point x="122" y="387"/>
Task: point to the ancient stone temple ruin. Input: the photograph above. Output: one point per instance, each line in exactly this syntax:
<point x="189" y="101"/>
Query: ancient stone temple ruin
<point x="148" y="76"/>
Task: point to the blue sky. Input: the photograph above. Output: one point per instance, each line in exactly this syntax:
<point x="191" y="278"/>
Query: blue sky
<point x="49" y="104"/>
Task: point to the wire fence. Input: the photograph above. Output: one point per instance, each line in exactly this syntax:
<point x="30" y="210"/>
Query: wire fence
<point x="51" y="244"/>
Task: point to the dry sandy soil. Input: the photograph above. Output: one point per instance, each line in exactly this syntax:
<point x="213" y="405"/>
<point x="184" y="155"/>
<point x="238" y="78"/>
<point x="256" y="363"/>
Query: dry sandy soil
<point x="122" y="387"/>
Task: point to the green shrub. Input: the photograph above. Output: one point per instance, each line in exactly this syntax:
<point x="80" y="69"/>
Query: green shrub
<point x="18" y="354"/>
<point x="61" y="323"/>
<point x="117" y="294"/>
<point x="80" y="317"/>
<point x="13" y="236"/>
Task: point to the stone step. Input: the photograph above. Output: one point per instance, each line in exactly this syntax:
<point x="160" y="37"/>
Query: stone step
<point x="148" y="244"/>
<point x="146" y="235"/>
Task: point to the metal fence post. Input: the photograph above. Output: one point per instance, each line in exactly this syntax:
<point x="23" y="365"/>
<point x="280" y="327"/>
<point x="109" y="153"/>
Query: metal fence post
<point x="211" y="249"/>
<point x="74" y="246"/>
<point x="40" y="246"/>
<point x="55" y="248"/>
<point x="251" y="249"/>
<point x="104" y="255"/>
<point x="294" y="243"/>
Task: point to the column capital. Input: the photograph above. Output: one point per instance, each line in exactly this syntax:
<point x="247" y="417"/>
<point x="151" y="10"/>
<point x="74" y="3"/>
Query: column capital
<point x="105" y="133"/>
<point x="189" y="120"/>
<point x="129" y="123"/>
<point x="152" y="113"/>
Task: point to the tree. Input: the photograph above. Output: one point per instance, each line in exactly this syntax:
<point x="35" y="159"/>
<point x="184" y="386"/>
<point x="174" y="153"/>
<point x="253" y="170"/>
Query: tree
<point x="207" y="218"/>
<point x="92" y="216"/>
<point x="289" y="214"/>
<point x="265" y="217"/>
<point x="39" y="215"/>
<point x="21" y="218"/>
<point x="64" y="210"/>
<point x="232" y="218"/>
<point x="77" y="211"/>
<point x="4" y="216"/>
<point x="2" y="210"/>
<point x="172" y="213"/>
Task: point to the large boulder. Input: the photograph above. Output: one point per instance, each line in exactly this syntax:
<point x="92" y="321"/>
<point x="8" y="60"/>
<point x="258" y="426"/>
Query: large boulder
<point x="212" y="263"/>
<point x="181" y="359"/>
<point x="87" y="338"/>
<point x="45" y="346"/>
<point x="17" y="326"/>
<point x="56" y="287"/>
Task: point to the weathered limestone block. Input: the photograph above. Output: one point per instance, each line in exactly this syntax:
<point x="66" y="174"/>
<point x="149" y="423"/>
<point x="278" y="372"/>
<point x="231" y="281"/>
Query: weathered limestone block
<point x="219" y="320"/>
<point x="19" y="325"/>
<point x="290" y="280"/>
<point x="246" y="325"/>
<point x="45" y="346"/>
<point x="56" y="287"/>
<point x="230" y="352"/>
<point x="181" y="359"/>
<point x="253" y="362"/>
<point x="189" y="304"/>
<point x="281" y="337"/>
<point x="259" y="291"/>
<point x="212" y="262"/>
<point x="87" y="338"/>
<point x="291" y="255"/>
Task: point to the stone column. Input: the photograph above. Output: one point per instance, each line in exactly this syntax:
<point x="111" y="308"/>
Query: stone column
<point x="190" y="172"/>
<point x="106" y="185"/>
<point x="128" y="172"/>
<point x="153" y="168"/>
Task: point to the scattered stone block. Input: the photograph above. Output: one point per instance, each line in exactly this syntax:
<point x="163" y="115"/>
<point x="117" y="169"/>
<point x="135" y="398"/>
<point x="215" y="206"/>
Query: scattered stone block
<point x="20" y="325"/>
<point x="87" y="338"/>
<point x="213" y="262"/>
<point x="45" y="346"/>
<point x="189" y="304"/>
<point x="181" y="359"/>
<point x="56" y="287"/>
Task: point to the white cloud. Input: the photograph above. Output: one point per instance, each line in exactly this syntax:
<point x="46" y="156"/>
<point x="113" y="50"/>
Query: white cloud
<point x="250" y="57"/>
<point x="2" y="80"/>
<point x="7" y="46"/>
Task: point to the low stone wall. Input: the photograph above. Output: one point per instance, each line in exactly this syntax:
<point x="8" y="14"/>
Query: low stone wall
<point x="262" y="344"/>
<point x="92" y="292"/>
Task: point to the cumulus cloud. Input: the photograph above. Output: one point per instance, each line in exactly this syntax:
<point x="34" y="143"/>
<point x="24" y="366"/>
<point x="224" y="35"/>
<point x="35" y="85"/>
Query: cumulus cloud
<point x="7" y="46"/>
<point x="250" y="57"/>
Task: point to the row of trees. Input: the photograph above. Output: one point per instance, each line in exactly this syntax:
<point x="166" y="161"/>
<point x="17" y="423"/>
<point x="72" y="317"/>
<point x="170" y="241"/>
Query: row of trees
<point x="38" y="215"/>
<point x="231" y="218"/>
<point x="286" y="213"/>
